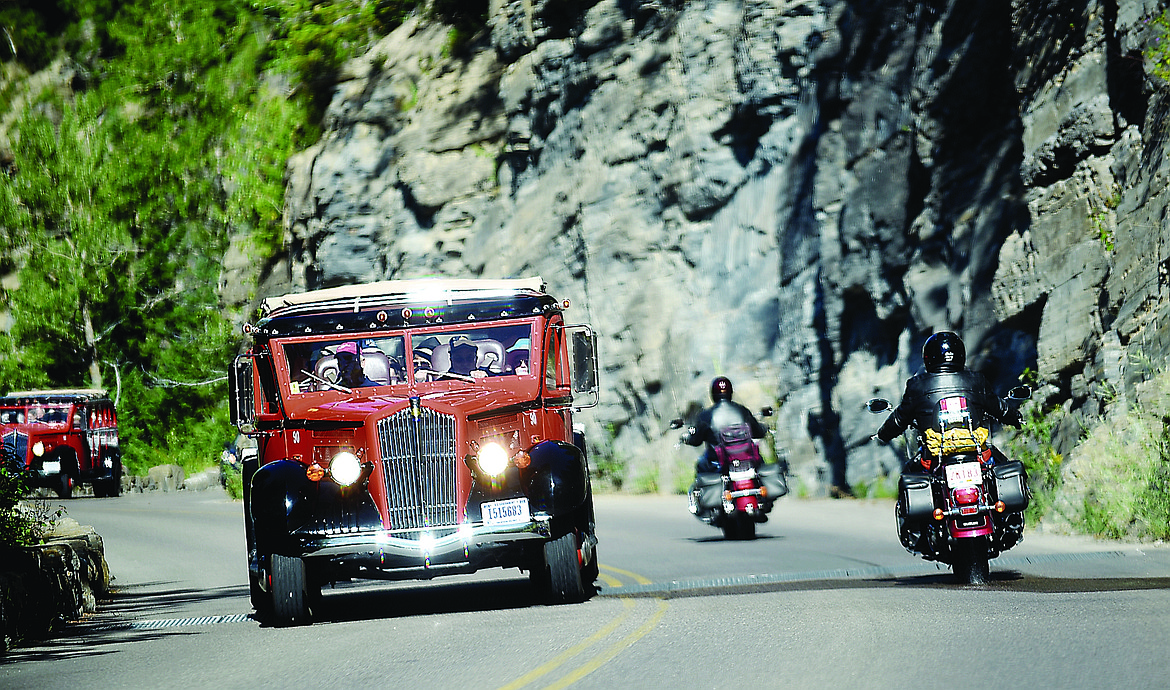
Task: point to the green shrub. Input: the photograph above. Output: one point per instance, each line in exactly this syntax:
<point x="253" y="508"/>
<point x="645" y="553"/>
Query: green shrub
<point x="1157" y="51"/>
<point x="123" y="197"/>
<point x="234" y="483"/>
<point x="1032" y="445"/>
<point x="1121" y="480"/>
<point x="22" y="524"/>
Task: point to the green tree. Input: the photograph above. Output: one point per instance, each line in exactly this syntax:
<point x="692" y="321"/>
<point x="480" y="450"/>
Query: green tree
<point x="123" y="195"/>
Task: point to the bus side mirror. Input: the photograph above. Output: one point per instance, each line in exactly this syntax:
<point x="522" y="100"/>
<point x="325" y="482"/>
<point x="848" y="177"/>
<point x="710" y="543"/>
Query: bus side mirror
<point x="242" y="394"/>
<point x="582" y="342"/>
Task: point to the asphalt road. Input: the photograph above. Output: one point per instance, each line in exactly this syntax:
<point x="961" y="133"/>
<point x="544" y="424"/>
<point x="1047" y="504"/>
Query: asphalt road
<point x="825" y="597"/>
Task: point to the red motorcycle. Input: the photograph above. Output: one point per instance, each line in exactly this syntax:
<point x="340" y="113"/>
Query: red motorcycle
<point x="965" y="507"/>
<point x="743" y="491"/>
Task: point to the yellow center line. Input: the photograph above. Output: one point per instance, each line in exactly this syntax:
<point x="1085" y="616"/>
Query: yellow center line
<point x="599" y="660"/>
<point x="636" y="577"/>
<point x="606" y="656"/>
<point x="609" y="580"/>
<point x="573" y="651"/>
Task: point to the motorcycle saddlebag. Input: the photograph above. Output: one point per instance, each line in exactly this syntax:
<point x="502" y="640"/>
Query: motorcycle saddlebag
<point x="710" y="488"/>
<point x="773" y="480"/>
<point x="916" y="496"/>
<point x="1011" y="485"/>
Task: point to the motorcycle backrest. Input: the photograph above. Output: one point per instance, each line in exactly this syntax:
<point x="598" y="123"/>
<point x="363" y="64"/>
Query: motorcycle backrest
<point x="735" y="443"/>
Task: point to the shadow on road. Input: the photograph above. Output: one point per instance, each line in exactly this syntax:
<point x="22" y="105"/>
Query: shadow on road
<point x="367" y="602"/>
<point x="1001" y="581"/>
<point x="80" y="640"/>
<point x="119" y="621"/>
<point x="721" y="538"/>
<point x="150" y="600"/>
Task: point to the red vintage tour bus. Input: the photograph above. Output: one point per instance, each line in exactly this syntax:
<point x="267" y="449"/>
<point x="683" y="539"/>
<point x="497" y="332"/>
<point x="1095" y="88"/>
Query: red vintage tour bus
<point x="62" y="438"/>
<point x="411" y="429"/>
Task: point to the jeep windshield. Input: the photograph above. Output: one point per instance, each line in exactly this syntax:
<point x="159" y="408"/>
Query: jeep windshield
<point x="463" y="355"/>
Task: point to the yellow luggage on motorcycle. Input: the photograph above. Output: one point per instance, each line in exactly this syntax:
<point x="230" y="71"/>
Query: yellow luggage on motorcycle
<point x="957" y="440"/>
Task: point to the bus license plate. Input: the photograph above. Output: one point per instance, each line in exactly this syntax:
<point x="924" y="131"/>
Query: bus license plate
<point x="964" y="474"/>
<point x="51" y="467"/>
<point x="505" y="512"/>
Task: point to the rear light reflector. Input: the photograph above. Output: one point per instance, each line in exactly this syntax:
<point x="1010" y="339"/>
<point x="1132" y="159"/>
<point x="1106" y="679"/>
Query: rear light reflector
<point x="967" y="496"/>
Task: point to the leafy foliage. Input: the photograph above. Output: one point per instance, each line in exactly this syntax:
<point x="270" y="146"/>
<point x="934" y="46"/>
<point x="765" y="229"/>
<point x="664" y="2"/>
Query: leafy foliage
<point x="1032" y="445"/>
<point x="313" y="38"/>
<point x="1122" y="474"/>
<point x="1157" y="51"/>
<point x="123" y="195"/>
<point x="21" y="524"/>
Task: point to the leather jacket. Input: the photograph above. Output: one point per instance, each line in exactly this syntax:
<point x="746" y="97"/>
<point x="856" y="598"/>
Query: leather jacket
<point x="925" y="392"/>
<point x="720" y="416"/>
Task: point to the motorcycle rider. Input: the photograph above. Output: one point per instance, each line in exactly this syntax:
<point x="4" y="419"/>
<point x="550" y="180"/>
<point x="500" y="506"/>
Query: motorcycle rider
<point x="927" y="394"/>
<point x="723" y="414"/>
<point x="949" y="406"/>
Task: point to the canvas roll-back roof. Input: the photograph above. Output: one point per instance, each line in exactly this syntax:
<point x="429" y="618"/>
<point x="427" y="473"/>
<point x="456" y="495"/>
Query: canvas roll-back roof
<point x="398" y="304"/>
<point x="61" y="395"/>
<point x="389" y="292"/>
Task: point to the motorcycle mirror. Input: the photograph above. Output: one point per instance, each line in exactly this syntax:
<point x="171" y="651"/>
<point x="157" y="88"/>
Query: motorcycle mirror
<point x="878" y="405"/>
<point x="1020" y="393"/>
<point x="676" y="423"/>
<point x="766" y="411"/>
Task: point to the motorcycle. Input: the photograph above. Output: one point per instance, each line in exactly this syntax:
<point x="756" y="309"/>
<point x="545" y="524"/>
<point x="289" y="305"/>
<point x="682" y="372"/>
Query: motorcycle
<point x="965" y="507"/>
<point x="743" y="491"/>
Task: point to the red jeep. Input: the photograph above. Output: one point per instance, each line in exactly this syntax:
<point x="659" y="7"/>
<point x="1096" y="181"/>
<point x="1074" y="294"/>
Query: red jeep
<point x="411" y="429"/>
<point x="60" y="438"/>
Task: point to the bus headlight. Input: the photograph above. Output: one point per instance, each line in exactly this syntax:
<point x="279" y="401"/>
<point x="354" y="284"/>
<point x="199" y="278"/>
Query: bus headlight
<point x="39" y="449"/>
<point x="345" y="468"/>
<point x="492" y="459"/>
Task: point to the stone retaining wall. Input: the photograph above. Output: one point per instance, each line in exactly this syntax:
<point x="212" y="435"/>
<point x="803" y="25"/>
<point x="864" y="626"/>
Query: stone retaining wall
<point x="43" y="586"/>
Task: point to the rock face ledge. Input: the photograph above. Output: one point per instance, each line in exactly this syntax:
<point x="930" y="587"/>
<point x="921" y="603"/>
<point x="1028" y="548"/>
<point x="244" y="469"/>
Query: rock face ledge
<point x="794" y="193"/>
<point x="44" y="586"/>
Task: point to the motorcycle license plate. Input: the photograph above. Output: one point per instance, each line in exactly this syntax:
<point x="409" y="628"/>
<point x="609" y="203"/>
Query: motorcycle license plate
<point x="964" y="474"/>
<point x="505" y="512"/>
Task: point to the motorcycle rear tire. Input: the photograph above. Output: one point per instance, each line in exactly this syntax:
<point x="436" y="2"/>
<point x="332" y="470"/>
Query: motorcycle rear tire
<point x="739" y="526"/>
<point x="970" y="566"/>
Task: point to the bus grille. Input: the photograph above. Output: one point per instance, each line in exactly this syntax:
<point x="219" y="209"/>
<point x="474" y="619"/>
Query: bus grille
<point x="418" y="456"/>
<point x="14" y="451"/>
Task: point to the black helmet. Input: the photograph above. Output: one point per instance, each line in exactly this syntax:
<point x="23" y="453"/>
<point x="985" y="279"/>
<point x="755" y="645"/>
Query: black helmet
<point x="720" y="389"/>
<point x="944" y="352"/>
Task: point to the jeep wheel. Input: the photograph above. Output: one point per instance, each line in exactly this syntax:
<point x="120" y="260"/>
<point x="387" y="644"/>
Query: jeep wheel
<point x="290" y="591"/>
<point x="64" y="486"/>
<point x="107" y="488"/>
<point x="565" y="583"/>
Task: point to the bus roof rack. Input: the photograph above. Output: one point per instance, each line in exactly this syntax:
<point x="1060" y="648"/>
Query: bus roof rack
<point x="397" y="290"/>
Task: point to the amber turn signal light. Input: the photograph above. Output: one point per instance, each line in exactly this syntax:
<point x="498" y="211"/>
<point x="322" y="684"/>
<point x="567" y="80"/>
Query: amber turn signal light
<point x="315" y="472"/>
<point x="938" y="514"/>
<point x="1000" y="507"/>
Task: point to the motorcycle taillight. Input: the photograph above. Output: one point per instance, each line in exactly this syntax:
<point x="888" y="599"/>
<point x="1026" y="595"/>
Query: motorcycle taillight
<point x="967" y="495"/>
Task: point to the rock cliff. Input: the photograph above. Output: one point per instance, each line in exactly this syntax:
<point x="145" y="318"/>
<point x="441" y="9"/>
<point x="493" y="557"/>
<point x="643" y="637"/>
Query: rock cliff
<point x="794" y="193"/>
